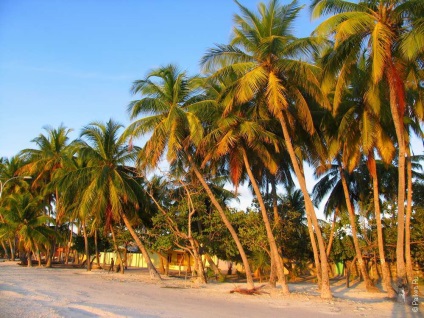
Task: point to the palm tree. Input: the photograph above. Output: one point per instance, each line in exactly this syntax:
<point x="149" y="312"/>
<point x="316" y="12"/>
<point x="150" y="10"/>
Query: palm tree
<point x="11" y="183"/>
<point x="392" y="32"/>
<point x="415" y="115"/>
<point x="44" y="163"/>
<point x="236" y="136"/>
<point x="262" y="53"/>
<point x="172" y="99"/>
<point x="25" y="219"/>
<point x="107" y="183"/>
<point x="338" y="183"/>
<point x="361" y="131"/>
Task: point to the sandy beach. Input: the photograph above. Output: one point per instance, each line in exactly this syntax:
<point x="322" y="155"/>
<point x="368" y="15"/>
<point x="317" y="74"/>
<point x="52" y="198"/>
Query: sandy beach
<point x="59" y="292"/>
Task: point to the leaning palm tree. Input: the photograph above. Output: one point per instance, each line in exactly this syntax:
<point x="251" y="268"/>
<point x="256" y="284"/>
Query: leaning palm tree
<point x="267" y="59"/>
<point x="107" y="182"/>
<point x="172" y="100"/>
<point x="393" y="34"/>
<point x="245" y="140"/>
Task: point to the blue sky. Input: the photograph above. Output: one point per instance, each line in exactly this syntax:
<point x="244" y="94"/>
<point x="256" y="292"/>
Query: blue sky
<point x="73" y="62"/>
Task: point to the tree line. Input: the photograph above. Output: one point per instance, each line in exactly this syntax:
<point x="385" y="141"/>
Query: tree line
<point x="346" y="100"/>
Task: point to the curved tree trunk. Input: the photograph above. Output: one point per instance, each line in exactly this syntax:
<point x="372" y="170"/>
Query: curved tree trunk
<point x="69" y="244"/>
<point x="333" y="226"/>
<point x="118" y="253"/>
<point x="387" y="280"/>
<point x="331" y="239"/>
<point x="315" y="251"/>
<point x="52" y="249"/>
<point x="368" y="283"/>
<point x="271" y="239"/>
<point x="201" y="277"/>
<point x="277" y="228"/>
<point x="12" y="250"/>
<point x="213" y="266"/>
<point x="408" y="258"/>
<point x="249" y="277"/>
<point x="152" y="269"/>
<point x="310" y="210"/>
<point x="397" y="99"/>
<point x="6" y="253"/>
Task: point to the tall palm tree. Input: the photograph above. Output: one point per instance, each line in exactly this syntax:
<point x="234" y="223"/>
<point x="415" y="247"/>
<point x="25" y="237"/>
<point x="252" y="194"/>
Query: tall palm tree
<point x="392" y="32"/>
<point x="415" y="116"/>
<point x="262" y="53"/>
<point x="173" y="100"/>
<point x="107" y="182"/>
<point x="360" y="130"/>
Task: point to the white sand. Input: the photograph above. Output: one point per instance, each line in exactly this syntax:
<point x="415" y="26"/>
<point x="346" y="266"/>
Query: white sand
<point x="42" y="292"/>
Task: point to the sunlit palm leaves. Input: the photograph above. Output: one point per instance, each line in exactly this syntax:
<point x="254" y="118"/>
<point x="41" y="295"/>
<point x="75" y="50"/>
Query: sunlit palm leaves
<point x="169" y="101"/>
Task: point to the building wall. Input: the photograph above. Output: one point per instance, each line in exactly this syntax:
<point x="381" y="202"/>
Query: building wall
<point x="178" y="260"/>
<point x="133" y="259"/>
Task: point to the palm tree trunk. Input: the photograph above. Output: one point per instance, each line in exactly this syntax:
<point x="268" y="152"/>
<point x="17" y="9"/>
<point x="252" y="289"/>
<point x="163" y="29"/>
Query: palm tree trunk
<point x="118" y="253"/>
<point x="408" y="258"/>
<point x="271" y="239"/>
<point x="49" y="257"/>
<point x="96" y="248"/>
<point x="387" y="280"/>
<point x="87" y="251"/>
<point x="333" y="226"/>
<point x="29" y="260"/>
<point x="52" y="249"/>
<point x="310" y="210"/>
<point x="39" y="257"/>
<point x="277" y="228"/>
<point x="249" y="277"/>
<point x="69" y="244"/>
<point x="213" y="265"/>
<point x="152" y="269"/>
<point x="6" y="253"/>
<point x="368" y="283"/>
<point x="201" y="278"/>
<point x="315" y="251"/>
<point x="12" y="250"/>
<point x="397" y="97"/>
<point x="273" y="277"/>
<point x="277" y="218"/>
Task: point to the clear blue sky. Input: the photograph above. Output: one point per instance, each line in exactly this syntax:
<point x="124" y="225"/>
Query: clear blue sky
<point x="73" y="62"/>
